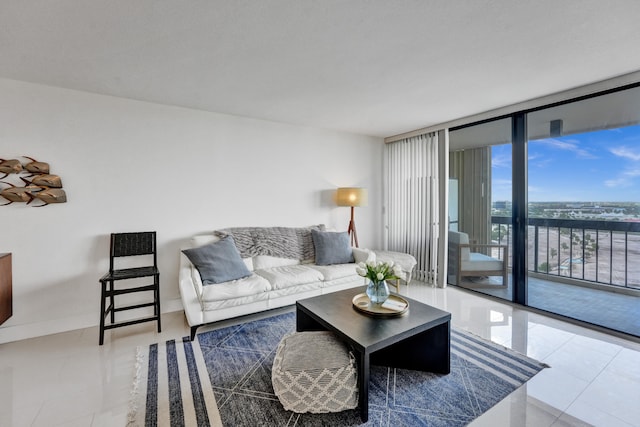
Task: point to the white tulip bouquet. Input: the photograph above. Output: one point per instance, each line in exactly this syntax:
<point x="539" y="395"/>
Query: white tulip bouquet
<point x="379" y="271"/>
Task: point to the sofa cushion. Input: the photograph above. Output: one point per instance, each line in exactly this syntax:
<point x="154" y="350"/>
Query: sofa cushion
<point x="335" y="271"/>
<point x="206" y="238"/>
<point x="250" y="285"/>
<point x="343" y="283"/>
<point x="363" y="255"/>
<point x="481" y="262"/>
<point x="218" y="262"/>
<point x="290" y="275"/>
<point x="262" y="262"/>
<point x="332" y="247"/>
<point x="304" y="291"/>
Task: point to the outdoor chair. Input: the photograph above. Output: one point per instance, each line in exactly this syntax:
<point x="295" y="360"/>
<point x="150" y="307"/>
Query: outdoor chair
<point x="464" y="262"/>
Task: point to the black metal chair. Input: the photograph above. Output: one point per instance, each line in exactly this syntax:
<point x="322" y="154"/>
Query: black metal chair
<point x="129" y="245"/>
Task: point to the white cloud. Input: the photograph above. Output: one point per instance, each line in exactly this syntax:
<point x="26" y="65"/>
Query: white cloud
<point x="501" y="161"/>
<point x="624" y="179"/>
<point x="543" y="164"/>
<point x="618" y="182"/>
<point x="567" y="145"/>
<point x="539" y="160"/>
<point x="626" y="153"/>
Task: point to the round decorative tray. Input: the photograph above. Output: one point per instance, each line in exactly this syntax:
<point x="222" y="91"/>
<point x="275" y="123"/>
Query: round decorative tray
<point x="362" y="303"/>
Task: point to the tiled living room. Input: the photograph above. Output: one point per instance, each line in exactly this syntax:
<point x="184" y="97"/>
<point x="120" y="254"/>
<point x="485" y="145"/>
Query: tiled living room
<point x="183" y="118"/>
<point x="67" y="379"/>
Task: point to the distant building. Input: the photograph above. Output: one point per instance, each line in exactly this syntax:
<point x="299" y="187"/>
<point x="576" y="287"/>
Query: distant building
<point x="500" y="204"/>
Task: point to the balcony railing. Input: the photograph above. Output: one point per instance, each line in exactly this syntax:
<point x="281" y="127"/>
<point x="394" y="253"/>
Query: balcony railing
<point x="605" y="252"/>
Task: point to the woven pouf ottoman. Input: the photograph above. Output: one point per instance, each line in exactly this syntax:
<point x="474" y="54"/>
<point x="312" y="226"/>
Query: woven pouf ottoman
<point x="314" y="372"/>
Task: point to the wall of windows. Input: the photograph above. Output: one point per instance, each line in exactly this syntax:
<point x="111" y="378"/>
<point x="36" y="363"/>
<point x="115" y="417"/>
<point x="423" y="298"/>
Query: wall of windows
<point x="561" y="186"/>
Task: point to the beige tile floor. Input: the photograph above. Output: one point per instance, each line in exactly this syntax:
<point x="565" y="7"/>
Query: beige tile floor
<point x="68" y="380"/>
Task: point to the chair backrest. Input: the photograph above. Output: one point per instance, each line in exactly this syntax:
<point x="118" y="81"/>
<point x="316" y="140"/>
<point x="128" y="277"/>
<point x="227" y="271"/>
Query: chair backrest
<point x="460" y="238"/>
<point x="133" y="244"/>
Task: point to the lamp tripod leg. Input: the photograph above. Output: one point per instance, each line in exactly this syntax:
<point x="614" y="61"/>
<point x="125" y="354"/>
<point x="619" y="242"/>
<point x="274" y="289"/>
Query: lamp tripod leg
<point x="352" y="232"/>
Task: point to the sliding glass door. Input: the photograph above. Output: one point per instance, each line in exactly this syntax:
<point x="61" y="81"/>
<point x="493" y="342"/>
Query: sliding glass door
<point x="559" y="187"/>
<point x="480" y="208"/>
<point x="584" y="210"/>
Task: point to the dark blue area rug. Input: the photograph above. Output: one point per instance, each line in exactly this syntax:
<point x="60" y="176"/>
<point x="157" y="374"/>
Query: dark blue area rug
<point x="239" y="359"/>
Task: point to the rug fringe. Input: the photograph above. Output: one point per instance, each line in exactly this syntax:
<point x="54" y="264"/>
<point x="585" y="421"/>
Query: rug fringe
<point x="135" y="389"/>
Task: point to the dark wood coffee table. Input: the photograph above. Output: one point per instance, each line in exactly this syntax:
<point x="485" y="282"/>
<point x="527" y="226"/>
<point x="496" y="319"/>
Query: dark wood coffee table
<point x="419" y="339"/>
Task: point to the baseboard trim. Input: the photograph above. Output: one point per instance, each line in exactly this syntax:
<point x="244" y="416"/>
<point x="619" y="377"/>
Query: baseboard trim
<point x="56" y="326"/>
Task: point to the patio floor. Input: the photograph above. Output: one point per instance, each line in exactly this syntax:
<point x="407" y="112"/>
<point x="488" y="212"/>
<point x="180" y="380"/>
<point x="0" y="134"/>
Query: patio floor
<point x="612" y="310"/>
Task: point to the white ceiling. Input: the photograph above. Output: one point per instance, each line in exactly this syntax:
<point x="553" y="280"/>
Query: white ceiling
<point x="372" y="67"/>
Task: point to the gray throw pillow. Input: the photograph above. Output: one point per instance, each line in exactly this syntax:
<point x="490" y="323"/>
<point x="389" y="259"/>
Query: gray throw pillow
<point x="332" y="247"/>
<point x="218" y="262"/>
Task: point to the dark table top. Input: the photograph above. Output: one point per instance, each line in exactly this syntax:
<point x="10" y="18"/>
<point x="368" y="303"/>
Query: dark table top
<point x="335" y="311"/>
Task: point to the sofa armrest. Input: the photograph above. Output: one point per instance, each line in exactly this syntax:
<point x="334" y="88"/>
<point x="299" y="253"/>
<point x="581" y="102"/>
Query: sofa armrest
<point x="363" y="255"/>
<point x="188" y="294"/>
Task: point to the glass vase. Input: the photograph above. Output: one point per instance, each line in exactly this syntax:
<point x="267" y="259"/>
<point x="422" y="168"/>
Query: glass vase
<point x="377" y="291"/>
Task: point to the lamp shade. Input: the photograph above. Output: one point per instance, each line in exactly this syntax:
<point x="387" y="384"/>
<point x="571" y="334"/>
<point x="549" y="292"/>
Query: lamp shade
<point x="352" y="196"/>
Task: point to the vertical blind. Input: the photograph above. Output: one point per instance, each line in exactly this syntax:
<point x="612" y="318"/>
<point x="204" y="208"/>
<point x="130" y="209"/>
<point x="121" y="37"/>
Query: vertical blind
<point x="472" y="168"/>
<point x="412" y="203"/>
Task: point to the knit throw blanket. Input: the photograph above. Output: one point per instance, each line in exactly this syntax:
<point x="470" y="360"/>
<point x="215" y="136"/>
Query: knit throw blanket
<point x="281" y="242"/>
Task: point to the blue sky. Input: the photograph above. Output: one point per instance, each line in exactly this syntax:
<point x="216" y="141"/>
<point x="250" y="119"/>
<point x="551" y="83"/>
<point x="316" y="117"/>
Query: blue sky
<point x="599" y="166"/>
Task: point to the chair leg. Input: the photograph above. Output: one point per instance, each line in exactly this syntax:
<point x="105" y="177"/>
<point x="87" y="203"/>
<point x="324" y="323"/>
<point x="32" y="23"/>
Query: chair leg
<point x="102" y="314"/>
<point x="157" y="305"/>
<point x="155" y="296"/>
<point x="112" y="302"/>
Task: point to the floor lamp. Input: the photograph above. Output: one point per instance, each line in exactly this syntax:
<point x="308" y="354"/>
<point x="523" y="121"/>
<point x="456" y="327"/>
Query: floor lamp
<point x="352" y="197"/>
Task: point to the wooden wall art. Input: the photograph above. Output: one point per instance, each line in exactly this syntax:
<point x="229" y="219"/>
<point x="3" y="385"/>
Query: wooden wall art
<point x="26" y="181"/>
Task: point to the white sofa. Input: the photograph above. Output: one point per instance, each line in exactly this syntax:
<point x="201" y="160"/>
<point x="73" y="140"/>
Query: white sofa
<point x="274" y="282"/>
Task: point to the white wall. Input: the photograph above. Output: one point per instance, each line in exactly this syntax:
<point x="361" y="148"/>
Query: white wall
<point x="136" y="166"/>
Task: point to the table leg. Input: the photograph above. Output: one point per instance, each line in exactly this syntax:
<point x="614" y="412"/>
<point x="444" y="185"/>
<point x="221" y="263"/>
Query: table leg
<point x="304" y="322"/>
<point x="428" y="351"/>
<point x="363" y="385"/>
